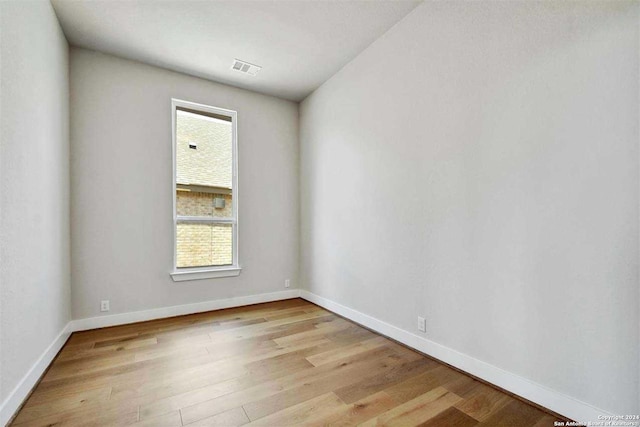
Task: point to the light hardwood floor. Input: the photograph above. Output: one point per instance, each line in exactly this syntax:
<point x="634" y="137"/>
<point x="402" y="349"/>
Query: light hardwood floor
<point x="275" y="364"/>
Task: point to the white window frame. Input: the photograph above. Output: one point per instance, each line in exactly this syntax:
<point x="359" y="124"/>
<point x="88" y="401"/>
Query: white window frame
<point x="195" y="273"/>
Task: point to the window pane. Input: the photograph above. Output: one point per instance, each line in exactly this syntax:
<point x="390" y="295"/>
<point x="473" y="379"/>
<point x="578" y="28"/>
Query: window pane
<point x="203" y="245"/>
<point x="195" y="203"/>
<point x="204" y="165"/>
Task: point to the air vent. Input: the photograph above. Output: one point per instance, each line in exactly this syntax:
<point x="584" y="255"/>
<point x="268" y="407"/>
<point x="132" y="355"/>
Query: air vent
<point x="245" y="67"/>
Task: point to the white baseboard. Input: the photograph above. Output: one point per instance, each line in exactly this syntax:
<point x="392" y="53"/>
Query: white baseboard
<point x="178" y="310"/>
<point x="11" y="405"/>
<point x="18" y="395"/>
<point x="537" y="393"/>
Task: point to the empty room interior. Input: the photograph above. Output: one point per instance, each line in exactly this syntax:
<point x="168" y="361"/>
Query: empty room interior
<point x="319" y="213"/>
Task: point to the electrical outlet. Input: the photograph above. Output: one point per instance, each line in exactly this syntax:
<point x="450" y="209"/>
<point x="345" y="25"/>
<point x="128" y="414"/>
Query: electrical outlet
<point x="422" y="324"/>
<point x="104" y="305"/>
<point x="287" y="283"/>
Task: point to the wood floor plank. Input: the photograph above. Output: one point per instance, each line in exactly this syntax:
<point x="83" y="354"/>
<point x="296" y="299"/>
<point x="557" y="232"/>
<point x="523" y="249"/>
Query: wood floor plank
<point x="107" y="351"/>
<point x="277" y="316"/>
<point x="188" y="321"/>
<point x="344" y="351"/>
<point x="142" y="371"/>
<point x="175" y="382"/>
<point x="44" y="396"/>
<point x="462" y="386"/>
<point x="281" y="363"/>
<point x="74" y="368"/>
<point x="451" y="417"/>
<point x="33" y="411"/>
<point x="380" y="381"/>
<point x="176" y="402"/>
<point x="514" y="414"/>
<point x="355" y="413"/>
<point x="269" y="389"/>
<point x="548" y="421"/>
<point x="177" y="336"/>
<point x="226" y="402"/>
<point x="303" y="413"/>
<point x="191" y="398"/>
<point x="259" y="329"/>
<point x="412" y="387"/>
<point x="332" y="325"/>
<point x="351" y="335"/>
<point x="483" y="402"/>
<point x="384" y="355"/>
<point x="446" y="375"/>
<point x="311" y="389"/>
<point x="231" y="375"/>
<point x="132" y="371"/>
<point x="418" y="410"/>
<point x="232" y="418"/>
<point x="271" y="332"/>
<point x="122" y="341"/>
<point x="95" y="416"/>
<point x="172" y="419"/>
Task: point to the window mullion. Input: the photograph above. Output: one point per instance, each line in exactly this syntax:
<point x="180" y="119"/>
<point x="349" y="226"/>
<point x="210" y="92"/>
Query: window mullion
<point x="205" y="219"/>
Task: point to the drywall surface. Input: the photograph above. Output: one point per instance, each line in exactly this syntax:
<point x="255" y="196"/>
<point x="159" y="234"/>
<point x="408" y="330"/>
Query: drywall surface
<point x="34" y="187"/>
<point x="121" y="179"/>
<point x="478" y="165"/>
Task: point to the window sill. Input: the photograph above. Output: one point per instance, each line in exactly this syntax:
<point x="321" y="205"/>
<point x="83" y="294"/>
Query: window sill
<point x="211" y="273"/>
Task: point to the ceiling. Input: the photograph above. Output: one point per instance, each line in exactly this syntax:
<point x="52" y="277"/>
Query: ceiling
<point x="299" y="44"/>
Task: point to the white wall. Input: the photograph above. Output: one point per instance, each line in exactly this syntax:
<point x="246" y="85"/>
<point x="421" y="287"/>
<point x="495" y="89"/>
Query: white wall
<point x="478" y="164"/>
<point x="122" y="238"/>
<point x="34" y="191"/>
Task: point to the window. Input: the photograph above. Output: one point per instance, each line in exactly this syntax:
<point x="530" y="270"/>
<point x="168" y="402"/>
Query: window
<point x="205" y="192"/>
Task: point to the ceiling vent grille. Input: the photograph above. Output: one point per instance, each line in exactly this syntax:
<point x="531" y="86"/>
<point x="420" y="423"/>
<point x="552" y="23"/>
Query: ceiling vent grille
<point x="245" y="67"/>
